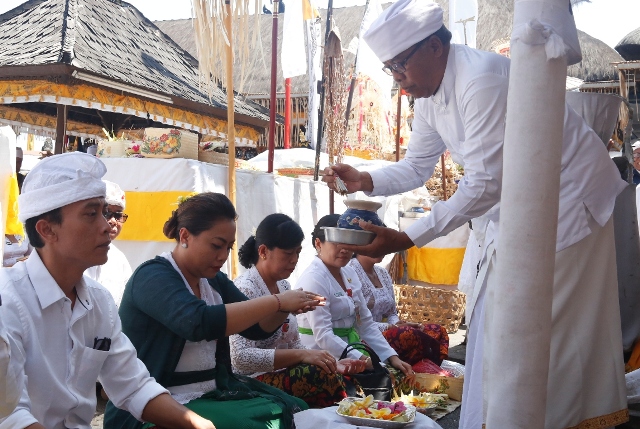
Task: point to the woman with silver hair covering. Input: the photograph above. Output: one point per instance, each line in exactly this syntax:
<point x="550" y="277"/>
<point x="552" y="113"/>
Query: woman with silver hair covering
<point x="114" y="274"/>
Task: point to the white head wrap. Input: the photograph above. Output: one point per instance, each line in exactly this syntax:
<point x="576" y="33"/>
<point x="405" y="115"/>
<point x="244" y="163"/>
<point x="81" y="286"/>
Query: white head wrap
<point x="401" y="26"/>
<point x="19" y="153"/>
<point x="61" y="180"/>
<point x="115" y="195"/>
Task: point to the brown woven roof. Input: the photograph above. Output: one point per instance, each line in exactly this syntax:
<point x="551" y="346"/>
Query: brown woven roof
<point x="629" y="46"/>
<point x="109" y="38"/>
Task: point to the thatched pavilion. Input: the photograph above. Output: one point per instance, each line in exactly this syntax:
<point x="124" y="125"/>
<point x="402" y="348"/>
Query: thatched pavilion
<point x="72" y="67"/>
<point x="629" y="46"/>
<point x="494" y="29"/>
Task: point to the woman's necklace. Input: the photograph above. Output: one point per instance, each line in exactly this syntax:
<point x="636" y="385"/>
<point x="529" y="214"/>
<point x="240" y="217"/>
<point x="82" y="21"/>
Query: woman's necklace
<point x="375" y="280"/>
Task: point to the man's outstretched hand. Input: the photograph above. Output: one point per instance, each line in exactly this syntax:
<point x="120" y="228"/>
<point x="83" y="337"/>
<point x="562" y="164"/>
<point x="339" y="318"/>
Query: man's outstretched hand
<point x="352" y="178"/>
<point x="387" y="241"/>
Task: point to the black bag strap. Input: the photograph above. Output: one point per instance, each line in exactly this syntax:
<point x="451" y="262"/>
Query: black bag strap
<point x="375" y="359"/>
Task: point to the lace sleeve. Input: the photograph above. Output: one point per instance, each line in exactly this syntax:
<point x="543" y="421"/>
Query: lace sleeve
<point x="246" y="358"/>
<point x="385" y="278"/>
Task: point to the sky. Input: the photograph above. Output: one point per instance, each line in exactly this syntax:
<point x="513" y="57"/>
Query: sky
<point x="607" y="20"/>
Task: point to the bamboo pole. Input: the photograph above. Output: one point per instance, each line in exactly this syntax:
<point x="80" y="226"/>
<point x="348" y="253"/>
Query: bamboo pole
<point x="354" y="74"/>
<point x="231" y="133"/>
<point x="274" y="75"/>
<point x="444" y="177"/>
<point x="329" y="24"/>
<point x="287" y="113"/>
<point x="399" y="125"/>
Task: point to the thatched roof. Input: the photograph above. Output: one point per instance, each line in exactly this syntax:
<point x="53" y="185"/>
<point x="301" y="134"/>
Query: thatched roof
<point x="629" y="46"/>
<point x="108" y="38"/>
<point x="495" y="22"/>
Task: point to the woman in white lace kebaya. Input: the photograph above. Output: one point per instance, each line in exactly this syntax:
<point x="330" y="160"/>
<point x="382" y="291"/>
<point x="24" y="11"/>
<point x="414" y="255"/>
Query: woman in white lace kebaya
<point x="345" y="318"/>
<point x="282" y="360"/>
<point x="412" y="341"/>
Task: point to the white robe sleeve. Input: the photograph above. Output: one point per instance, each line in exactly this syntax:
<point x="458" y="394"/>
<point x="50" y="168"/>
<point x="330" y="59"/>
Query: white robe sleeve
<point x="483" y="110"/>
<point x="425" y="148"/>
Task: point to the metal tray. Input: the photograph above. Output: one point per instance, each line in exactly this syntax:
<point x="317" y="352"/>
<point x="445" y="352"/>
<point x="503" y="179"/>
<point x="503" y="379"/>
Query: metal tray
<point x="348" y="236"/>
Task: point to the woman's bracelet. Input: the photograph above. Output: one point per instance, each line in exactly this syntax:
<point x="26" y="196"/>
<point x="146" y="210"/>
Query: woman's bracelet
<point x="280" y="310"/>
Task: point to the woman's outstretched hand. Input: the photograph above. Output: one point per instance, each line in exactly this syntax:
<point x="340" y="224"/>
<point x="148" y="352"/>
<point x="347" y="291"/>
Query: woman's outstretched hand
<point x="321" y="358"/>
<point x="404" y="367"/>
<point x="300" y="301"/>
<point x="351" y="366"/>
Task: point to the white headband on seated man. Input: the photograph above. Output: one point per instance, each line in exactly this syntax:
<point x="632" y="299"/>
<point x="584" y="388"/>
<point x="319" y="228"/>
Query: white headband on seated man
<point x="61" y="180"/>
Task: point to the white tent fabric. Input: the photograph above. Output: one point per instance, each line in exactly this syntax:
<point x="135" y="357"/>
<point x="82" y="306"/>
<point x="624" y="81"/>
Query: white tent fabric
<point x="293" y="53"/>
<point x="258" y="194"/>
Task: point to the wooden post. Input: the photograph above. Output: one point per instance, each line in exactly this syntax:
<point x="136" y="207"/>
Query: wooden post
<point x="231" y="132"/>
<point x="399" y="124"/>
<point x="444" y="177"/>
<point x="287" y="113"/>
<point x="61" y="129"/>
<point x="274" y="73"/>
<point x="329" y="24"/>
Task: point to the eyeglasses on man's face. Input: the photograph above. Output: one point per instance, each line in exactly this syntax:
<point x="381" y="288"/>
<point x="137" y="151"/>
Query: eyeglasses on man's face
<point x="401" y="66"/>
<point x="118" y="216"/>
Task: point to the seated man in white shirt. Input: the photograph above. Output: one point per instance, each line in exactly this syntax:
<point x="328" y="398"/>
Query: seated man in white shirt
<point x="116" y="272"/>
<point x="63" y="329"/>
<point x="9" y="391"/>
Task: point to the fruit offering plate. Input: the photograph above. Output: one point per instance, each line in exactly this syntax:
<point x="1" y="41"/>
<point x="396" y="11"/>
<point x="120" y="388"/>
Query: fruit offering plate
<point x="378" y="414"/>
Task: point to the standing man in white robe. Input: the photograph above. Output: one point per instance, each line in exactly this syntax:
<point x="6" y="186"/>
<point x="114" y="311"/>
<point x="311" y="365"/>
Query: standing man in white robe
<point x="461" y="101"/>
<point x="116" y="272"/>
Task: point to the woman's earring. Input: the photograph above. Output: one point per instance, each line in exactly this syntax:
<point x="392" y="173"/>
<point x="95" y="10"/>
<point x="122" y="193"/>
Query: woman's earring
<point x="264" y="256"/>
<point x="184" y="245"/>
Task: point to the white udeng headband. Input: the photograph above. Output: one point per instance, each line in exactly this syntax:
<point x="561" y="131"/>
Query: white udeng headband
<point x="551" y="26"/>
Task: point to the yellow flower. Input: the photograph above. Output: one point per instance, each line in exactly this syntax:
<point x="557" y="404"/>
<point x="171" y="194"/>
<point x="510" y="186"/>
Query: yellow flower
<point x="379" y="414"/>
<point x="366" y="402"/>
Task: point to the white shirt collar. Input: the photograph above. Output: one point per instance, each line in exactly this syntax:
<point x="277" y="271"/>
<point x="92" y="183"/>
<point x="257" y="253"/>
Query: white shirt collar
<point x="47" y="289"/>
<point x="441" y="97"/>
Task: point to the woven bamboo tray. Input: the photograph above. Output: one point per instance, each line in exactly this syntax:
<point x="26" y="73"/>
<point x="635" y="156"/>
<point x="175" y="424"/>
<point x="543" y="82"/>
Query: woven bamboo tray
<point x="213" y="157"/>
<point x="424" y="304"/>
